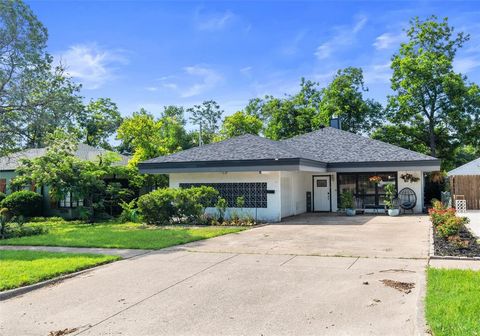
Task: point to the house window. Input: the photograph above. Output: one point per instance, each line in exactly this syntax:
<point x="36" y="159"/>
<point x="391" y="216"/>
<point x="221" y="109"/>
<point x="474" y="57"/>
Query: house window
<point x="70" y="202"/>
<point x="3" y="185"/>
<point x="254" y="193"/>
<point x="367" y="193"/>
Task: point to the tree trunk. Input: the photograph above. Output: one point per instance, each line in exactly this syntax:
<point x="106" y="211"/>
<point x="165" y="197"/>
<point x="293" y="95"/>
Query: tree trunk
<point x="432" y="138"/>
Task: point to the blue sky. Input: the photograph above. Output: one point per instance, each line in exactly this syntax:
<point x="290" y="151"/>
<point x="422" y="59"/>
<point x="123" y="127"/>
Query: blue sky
<point x="153" y="53"/>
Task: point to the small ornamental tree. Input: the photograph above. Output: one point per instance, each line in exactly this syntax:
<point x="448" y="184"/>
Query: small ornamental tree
<point x="64" y="174"/>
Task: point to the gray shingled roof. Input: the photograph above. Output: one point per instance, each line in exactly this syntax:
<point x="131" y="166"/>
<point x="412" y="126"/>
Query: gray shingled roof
<point x="245" y="147"/>
<point x="470" y="168"/>
<point x="332" y="145"/>
<point x="84" y="152"/>
<point x="327" y="145"/>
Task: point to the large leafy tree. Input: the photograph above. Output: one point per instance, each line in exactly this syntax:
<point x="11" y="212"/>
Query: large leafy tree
<point x="207" y="117"/>
<point x="432" y="104"/>
<point x="99" y="121"/>
<point x="240" y="123"/>
<point x="149" y="137"/>
<point x="292" y="115"/>
<point x="35" y="96"/>
<point x="343" y="98"/>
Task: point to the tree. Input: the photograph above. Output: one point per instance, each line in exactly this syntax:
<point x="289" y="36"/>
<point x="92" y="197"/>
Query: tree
<point x="293" y="115"/>
<point x="206" y="116"/>
<point x="99" y="121"/>
<point x="150" y="137"/>
<point x="35" y="97"/>
<point x="343" y="98"/>
<point x="240" y="123"/>
<point x="64" y="174"/>
<point x="432" y="104"/>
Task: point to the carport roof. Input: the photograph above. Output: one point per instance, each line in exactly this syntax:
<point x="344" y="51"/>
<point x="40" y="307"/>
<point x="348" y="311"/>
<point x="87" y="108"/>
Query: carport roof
<point x="325" y="148"/>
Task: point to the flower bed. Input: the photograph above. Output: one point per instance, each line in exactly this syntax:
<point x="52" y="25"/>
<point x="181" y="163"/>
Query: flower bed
<point x="450" y="236"/>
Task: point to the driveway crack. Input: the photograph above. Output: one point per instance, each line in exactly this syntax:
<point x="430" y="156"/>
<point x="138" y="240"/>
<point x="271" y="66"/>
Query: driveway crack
<point x="353" y="263"/>
<point x="155" y="294"/>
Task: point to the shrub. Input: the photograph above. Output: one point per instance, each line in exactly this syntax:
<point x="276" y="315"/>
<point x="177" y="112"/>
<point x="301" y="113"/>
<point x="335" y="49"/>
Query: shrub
<point x="450" y="227"/>
<point x="438" y="215"/>
<point x="157" y="207"/>
<point x="221" y="206"/>
<point x="129" y="212"/>
<point x="205" y="196"/>
<point x="168" y="206"/>
<point x="23" y="203"/>
<point x="2" y="197"/>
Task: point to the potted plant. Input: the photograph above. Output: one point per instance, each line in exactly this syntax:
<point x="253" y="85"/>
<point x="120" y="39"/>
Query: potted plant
<point x="347" y="203"/>
<point x="391" y="194"/>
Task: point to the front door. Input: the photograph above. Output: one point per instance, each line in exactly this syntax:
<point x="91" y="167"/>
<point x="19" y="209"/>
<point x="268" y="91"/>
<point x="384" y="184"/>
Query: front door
<point x="321" y="193"/>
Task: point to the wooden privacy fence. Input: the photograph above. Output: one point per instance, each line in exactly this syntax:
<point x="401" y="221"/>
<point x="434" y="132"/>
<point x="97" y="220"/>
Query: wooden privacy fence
<point x="466" y="187"/>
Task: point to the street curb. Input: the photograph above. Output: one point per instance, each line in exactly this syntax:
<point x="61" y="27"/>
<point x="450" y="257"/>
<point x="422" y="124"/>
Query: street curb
<point x="22" y="290"/>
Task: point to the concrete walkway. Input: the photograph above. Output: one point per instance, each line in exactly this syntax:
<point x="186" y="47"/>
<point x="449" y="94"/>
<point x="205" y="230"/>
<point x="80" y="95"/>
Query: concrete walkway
<point x="124" y="253"/>
<point x="455" y="264"/>
<point x="235" y="291"/>
<point x="474" y="224"/>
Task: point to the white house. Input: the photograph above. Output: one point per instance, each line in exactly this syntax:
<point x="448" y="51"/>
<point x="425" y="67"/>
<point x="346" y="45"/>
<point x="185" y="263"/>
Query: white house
<point x="305" y="173"/>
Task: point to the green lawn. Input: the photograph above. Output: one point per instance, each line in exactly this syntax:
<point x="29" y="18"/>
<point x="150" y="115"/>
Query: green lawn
<point x="21" y="268"/>
<point x="115" y="235"/>
<point x="453" y="302"/>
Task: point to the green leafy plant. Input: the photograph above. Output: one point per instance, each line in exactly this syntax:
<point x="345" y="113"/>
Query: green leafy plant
<point x="391" y="193"/>
<point x="170" y="206"/>
<point x="221" y="207"/>
<point x="450" y="227"/>
<point x="346" y="200"/>
<point x="2" y="197"/>
<point x="129" y="211"/>
<point x="23" y="203"/>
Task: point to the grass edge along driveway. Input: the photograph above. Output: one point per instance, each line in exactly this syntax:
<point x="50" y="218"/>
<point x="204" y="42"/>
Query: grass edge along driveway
<point x="21" y="268"/>
<point x="452" y="304"/>
<point x="117" y="235"/>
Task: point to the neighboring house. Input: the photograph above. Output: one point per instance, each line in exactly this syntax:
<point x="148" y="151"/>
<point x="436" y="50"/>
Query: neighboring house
<point x="297" y="175"/>
<point x="465" y="184"/>
<point x="65" y="207"/>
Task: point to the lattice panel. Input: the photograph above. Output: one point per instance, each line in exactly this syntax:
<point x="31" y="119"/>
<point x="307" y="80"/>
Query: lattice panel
<point x="461" y="205"/>
<point x="254" y="193"/>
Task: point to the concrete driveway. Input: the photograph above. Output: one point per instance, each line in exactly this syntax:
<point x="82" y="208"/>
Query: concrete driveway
<point x="313" y="234"/>
<point x="217" y="288"/>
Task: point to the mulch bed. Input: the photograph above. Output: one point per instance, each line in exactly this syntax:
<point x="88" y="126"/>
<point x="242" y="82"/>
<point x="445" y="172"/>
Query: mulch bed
<point x="445" y="248"/>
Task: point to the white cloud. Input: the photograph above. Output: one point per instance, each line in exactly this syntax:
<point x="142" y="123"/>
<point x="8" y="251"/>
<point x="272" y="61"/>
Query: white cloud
<point x="291" y="46"/>
<point x="209" y="78"/>
<point x="466" y="64"/>
<point x="90" y="64"/>
<point x="377" y="73"/>
<point x="246" y="70"/>
<point x="343" y="37"/>
<point x="213" y="21"/>
<point x="387" y="40"/>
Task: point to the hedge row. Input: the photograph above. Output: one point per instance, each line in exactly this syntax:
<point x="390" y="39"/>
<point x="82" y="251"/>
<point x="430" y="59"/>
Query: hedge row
<point x="22" y="203"/>
<point x="173" y="206"/>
